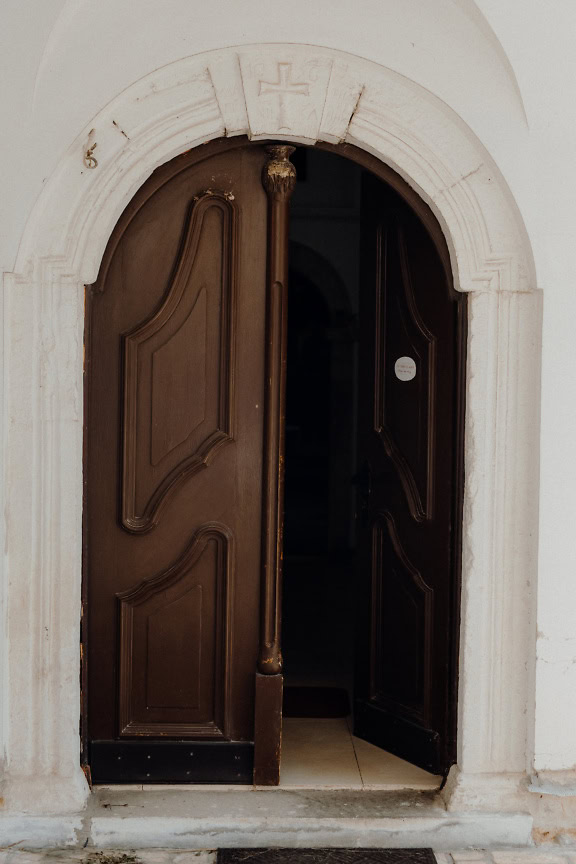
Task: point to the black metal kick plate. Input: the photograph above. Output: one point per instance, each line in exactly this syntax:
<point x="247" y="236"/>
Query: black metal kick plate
<point x="171" y="761"/>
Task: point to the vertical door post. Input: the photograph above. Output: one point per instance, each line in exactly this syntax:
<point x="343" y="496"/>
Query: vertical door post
<point x="278" y="179"/>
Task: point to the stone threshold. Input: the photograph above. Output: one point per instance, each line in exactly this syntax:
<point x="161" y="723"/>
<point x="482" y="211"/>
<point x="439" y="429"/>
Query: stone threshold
<point x="176" y="818"/>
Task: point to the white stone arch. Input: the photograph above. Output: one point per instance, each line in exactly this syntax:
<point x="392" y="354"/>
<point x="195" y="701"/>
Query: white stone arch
<point x="333" y="97"/>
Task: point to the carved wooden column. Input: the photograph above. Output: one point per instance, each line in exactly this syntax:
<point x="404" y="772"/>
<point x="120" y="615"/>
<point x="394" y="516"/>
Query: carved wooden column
<point x="278" y="179"/>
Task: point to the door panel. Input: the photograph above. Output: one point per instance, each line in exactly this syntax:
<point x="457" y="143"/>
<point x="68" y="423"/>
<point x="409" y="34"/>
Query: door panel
<point x="173" y="469"/>
<point x="178" y="377"/>
<point x="411" y="372"/>
<point x="403" y="424"/>
<point x="174" y="644"/>
<point x="402" y="603"/>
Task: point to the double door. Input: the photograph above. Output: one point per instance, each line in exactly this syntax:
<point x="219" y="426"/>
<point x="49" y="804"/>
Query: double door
<point x="185" y="370"/>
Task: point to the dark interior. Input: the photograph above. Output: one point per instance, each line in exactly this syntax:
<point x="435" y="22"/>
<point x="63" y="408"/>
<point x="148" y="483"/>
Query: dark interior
<point x="319" y="539"/>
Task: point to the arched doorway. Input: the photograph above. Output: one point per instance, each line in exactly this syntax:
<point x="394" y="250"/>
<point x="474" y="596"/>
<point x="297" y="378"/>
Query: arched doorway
<point x="185" y="408"/>
<point x="403" y="125"/>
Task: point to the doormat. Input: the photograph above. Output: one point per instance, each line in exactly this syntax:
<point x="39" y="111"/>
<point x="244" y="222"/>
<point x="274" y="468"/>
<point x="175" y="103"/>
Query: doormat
<point x="326" y="856"/>
<point x="327" y="702"/>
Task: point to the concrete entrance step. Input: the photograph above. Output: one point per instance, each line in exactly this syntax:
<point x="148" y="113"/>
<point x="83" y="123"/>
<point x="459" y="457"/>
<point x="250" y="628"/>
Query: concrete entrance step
<point x="177" y="818"/>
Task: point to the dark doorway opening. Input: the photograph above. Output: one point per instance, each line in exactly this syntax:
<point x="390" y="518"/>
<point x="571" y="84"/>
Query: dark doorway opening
<point x="319" y="538"/>
<point x="371" y="479"/>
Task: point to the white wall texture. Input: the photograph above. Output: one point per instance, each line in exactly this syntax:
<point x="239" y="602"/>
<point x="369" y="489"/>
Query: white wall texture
<point x="507" y="69"/>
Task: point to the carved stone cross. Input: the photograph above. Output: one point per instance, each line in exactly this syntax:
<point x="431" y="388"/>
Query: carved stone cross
<point x="283" y="87"/>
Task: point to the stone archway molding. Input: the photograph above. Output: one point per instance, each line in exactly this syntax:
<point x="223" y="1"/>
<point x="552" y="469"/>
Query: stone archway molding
<point x="303" y="94"/>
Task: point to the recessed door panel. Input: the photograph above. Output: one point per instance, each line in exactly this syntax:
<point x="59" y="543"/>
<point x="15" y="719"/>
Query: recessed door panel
<point x="178" y="380"/>
<point x="175" y="642"/>
<point x="402" y="603"/>
<point x="404" y="367"/>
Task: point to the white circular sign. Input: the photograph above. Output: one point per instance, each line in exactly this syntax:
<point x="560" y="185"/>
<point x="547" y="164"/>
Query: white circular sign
<point x="405" y="368"/>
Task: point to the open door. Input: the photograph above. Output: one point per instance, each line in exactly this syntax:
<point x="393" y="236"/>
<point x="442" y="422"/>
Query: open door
<point x="184" y="473"/>
<point x="184" y="411"/>
<point x="409" y="483"/>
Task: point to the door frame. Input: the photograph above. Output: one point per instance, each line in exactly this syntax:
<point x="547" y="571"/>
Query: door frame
<point x="403" y="125"/>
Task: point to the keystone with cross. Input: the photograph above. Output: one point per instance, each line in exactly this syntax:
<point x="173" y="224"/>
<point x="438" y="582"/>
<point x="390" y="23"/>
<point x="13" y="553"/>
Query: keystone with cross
<point x="283" y="87"/>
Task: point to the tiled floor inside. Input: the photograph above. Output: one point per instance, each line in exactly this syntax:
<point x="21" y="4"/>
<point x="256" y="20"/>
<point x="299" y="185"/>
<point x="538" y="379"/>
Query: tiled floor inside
<point x="324" y="754"/>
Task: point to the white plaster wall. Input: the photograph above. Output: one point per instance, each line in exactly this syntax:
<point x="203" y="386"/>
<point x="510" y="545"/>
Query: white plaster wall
<point x="507" y="69"/>
<point x="66" y="59"/>
<point x="539" y="42"/>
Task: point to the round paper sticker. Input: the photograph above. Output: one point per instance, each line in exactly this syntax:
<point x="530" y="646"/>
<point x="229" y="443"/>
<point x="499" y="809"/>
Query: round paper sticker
<point x="405" y="368"/>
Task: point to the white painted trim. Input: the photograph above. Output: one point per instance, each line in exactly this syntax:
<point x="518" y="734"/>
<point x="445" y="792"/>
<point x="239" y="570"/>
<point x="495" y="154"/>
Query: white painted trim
<point x="169" y="111"/>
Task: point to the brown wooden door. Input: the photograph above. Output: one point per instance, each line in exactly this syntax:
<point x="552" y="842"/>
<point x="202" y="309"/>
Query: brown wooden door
<point x="410" y="480"/>
<point x="174" y="452"/>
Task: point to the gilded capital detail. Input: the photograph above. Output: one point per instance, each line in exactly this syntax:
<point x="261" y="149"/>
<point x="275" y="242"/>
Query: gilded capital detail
<point x="279" y="175"/>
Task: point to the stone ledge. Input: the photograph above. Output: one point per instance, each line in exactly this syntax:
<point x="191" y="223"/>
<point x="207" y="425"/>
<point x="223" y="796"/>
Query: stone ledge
<point x="129" y="819"/>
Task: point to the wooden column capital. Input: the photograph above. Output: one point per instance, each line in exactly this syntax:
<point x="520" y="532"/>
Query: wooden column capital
<point x="279" y="174"/>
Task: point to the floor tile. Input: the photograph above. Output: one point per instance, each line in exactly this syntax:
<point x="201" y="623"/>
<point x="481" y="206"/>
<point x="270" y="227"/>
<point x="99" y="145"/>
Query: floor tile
<point x="318" y="753"/>
<point x="382" y="770"/>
